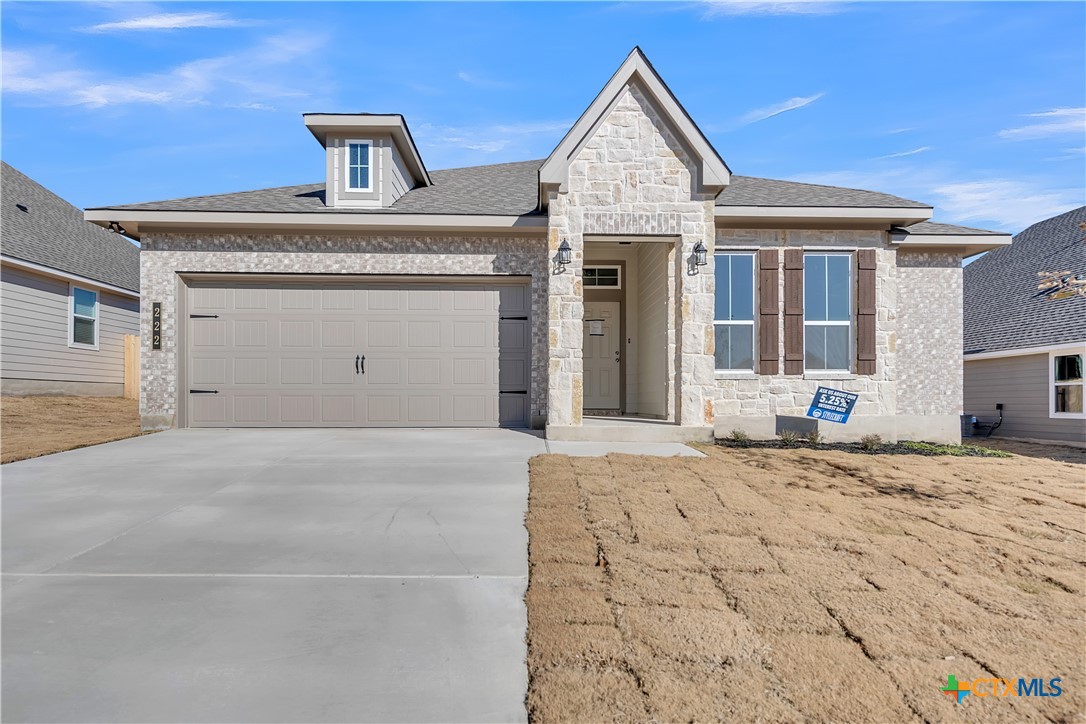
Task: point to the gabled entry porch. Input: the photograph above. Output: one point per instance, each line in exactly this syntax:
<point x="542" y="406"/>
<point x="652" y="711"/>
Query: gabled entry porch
<point x="631" y="341"/>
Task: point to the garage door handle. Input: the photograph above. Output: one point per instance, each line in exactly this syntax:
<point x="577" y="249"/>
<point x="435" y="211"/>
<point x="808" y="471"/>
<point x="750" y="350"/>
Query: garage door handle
<point x="356" y="364"/>
<point x="363" y="364"/>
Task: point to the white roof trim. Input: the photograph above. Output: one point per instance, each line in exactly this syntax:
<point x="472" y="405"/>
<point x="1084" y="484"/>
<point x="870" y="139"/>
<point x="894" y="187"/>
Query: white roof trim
<point x="50" y="271"/>
<point x="131" y="220"/>
<point x="636" y="68"/>
<point x="1022" y="352"/>
<point x="321" y="124"/>
<point x="827" y="212"/>
<point x="891" y="216"/>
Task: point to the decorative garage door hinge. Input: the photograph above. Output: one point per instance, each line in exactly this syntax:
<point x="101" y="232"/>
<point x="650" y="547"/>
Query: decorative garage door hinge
<point x="204" y="392"/>
<point x="203" y="316"/>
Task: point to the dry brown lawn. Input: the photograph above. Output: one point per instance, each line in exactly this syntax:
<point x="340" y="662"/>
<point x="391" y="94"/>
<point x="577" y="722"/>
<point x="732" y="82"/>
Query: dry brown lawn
<point x="40" y="425"/>
<point x="1054" y="451"/>
<point x="799" y="585"/>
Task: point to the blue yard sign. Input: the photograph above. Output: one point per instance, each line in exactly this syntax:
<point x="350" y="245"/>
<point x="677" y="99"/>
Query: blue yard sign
<point x="832" y="405"/>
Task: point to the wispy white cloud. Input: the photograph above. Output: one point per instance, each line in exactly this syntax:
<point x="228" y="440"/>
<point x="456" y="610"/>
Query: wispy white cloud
<point x="776" y="109"/>
<point x="1007" y="204"/>
<point x="902" y="154"/>
<point x="481" y="81"/>
<point x="1014" y="204"/>
<point x="166" y="21"/>
<point x="248" y="78"/>
<point x="1055" y="122"/>
<point x="492" y="138"/>
<point x="715" y="8"/>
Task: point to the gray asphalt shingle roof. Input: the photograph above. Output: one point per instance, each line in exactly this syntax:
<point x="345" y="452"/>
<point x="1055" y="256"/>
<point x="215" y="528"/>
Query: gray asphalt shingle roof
<point x="752" y="191"/>
<point x="939" y="229"/>
<point x="506" y="189"/>
<point x="1004" y="310"/>
<point x="38" y="226"/>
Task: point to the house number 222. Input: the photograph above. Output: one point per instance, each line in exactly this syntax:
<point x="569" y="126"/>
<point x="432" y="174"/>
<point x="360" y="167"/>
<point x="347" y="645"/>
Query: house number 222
<point x="156" y="325"/>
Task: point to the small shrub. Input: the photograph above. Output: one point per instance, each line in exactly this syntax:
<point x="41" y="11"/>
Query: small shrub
<point x="789" y="437"/>
<point x="738" y="435"/>
<point x="814" y="437"/>
<point x="871" y="442"/>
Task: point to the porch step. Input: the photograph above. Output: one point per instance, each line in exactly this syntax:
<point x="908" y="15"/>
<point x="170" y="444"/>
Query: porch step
<point x="604" y="430"/>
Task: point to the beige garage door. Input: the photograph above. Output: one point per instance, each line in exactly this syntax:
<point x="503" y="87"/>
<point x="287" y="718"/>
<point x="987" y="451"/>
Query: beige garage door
<point x="387" y="354"/>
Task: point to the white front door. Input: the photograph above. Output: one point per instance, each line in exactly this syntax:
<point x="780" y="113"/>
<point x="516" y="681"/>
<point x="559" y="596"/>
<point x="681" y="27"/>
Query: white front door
<point x="601" y="355"/>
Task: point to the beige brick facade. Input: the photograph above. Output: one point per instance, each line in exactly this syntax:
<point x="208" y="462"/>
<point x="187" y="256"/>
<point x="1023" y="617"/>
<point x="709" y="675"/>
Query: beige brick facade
<point x="165" y="256"/>
<point x="930" y="322"/>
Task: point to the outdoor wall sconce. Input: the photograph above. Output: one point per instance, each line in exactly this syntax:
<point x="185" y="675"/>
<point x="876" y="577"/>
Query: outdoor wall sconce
<point x="700" y="257"/>
<point x="565" y="256"/>
<point x="700" y="254"/>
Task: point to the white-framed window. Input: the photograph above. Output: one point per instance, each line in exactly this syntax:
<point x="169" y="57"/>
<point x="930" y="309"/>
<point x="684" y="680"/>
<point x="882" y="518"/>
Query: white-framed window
<point x="608" y="277"/>
<point x="827" y="311"/>
<point x="733" y="318"/>
<point x="82" y="317"/>
<point x="359" y="166"/>
<point x="1065" y="385"/>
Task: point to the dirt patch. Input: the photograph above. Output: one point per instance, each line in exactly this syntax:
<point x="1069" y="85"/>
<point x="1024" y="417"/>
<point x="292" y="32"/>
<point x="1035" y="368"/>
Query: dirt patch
<point x="803" y="585"/>
<point x="875" y="447"/>
<point x="40" y="425"/>
<point x="1062" y="453"/>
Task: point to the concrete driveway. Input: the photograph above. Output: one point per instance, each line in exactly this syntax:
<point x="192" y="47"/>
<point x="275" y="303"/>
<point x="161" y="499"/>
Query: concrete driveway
<point x="268" y="576"/>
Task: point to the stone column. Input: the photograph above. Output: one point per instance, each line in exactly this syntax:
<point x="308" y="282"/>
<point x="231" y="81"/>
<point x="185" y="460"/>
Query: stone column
<point x="565" y="320"/>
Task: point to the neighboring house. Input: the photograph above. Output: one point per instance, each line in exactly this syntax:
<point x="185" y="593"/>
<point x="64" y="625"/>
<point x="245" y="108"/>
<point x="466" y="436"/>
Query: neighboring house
<point x="1024" y="347"/>
<point x="69" y="292"/>
<point x="629" y="273"/>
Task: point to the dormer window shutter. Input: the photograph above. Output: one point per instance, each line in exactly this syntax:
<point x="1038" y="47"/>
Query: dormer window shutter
<point x="866" y="312"/>
<point x="768" y="312"/>
<point x="793" y="311"/>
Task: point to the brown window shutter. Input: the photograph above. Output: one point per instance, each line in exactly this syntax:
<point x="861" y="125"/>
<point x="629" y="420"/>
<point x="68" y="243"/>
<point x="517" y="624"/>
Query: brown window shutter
<point x="768" y="312"/>
<point x="866" y="311"/>
<point x="793" y="311"/>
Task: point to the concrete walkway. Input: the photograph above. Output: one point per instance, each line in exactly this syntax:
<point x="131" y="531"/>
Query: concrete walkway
<point x="268" y="576"/>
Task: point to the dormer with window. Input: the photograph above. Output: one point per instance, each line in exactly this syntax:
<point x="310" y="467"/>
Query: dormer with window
<point x="371" y="160"/>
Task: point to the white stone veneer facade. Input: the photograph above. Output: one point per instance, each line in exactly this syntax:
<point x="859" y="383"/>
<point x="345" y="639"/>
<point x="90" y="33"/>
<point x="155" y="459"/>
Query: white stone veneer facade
<point x="633" y="178"/>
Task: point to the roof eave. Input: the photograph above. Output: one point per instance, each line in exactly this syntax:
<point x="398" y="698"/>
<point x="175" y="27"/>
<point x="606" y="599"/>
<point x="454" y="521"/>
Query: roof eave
<point x="139" y="222"/>
<point x="964" y="244"/>
<point x="1022" y="351"/>
<point x="69" y="276"/>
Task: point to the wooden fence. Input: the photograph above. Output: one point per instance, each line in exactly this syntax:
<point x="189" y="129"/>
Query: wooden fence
<point x="132" y="366"/>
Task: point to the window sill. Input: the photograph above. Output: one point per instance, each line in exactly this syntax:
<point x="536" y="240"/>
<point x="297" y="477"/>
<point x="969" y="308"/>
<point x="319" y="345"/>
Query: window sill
<point x="737" y="375"/>
<point x="829" y="376"/>
<point x="1067" y="416"/>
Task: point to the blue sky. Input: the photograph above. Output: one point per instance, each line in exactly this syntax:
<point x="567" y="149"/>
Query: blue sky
<point x="977" y="108"/>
